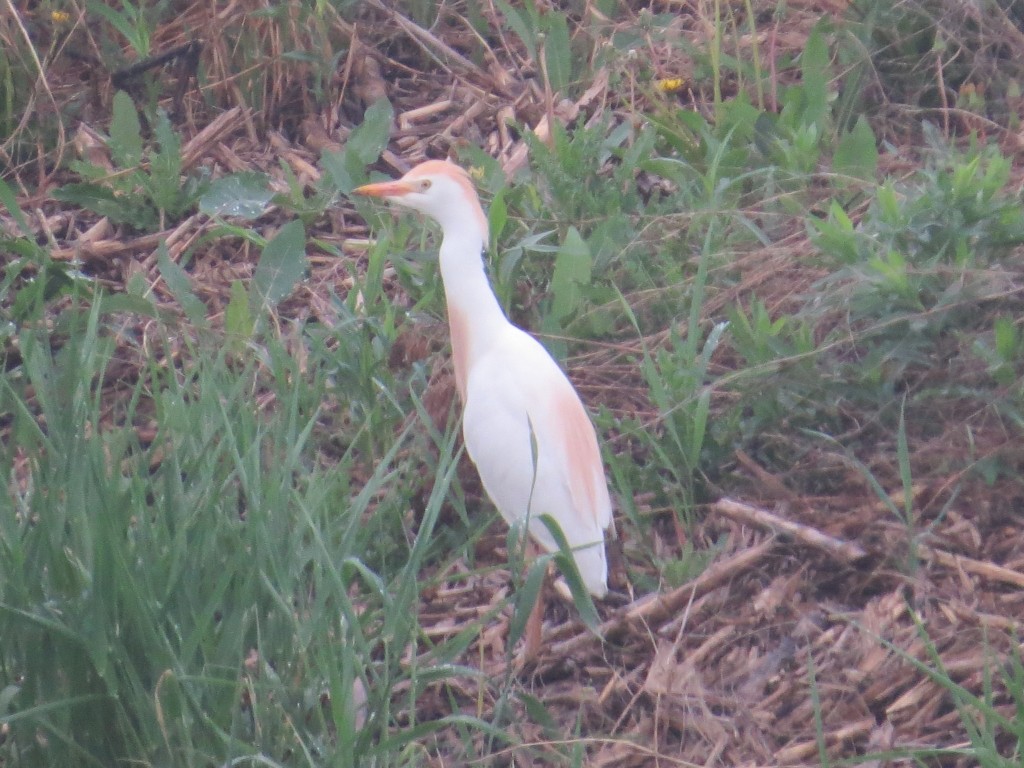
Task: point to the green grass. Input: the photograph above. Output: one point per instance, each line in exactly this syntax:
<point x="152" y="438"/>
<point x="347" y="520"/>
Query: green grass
<point x="209" y="568"/>
<point x="216" y="593"/>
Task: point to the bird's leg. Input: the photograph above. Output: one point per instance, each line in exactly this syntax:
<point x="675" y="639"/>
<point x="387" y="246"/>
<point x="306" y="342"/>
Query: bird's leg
<point x="534" y="625"/>
<point x="535" y="621"/>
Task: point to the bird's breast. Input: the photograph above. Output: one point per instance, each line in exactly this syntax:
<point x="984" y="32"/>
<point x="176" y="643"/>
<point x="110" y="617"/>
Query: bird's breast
<point x="458" y="324"/>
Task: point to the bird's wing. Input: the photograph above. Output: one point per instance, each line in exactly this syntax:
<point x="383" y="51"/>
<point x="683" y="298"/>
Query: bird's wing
<point x="512" y="391"/>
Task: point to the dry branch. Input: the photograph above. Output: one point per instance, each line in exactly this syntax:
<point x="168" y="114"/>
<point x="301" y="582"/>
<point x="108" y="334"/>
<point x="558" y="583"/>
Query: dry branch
<point x="846" y="551"/>
<point x="653" y="610"/>
<point x="431" y="44"/>
<point x="218" y="129"/>
<point x="970" y="565"/>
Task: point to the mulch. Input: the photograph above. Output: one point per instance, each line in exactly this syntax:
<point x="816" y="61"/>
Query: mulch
<point x="819" y="625"/>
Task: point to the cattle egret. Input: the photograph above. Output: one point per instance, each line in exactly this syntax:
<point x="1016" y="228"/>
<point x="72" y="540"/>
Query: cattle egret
<point x="523" y="423"/>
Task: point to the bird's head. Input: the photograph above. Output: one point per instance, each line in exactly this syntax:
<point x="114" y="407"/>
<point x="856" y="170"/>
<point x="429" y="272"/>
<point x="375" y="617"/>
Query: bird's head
<point x="440" y="189"/>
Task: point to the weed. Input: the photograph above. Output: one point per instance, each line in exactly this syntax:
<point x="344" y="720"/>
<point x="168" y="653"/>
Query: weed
<point x="132" y="21"/>
<point x="201" y="585"/>
<point x="144" y="190"/>
<point x="925" y="254"/>
<point x="545" y="36"/>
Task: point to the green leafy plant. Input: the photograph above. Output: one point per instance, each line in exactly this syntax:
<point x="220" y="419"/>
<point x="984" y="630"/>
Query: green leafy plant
<point x="856" y="153"/>
<point x="924" y="246"/>
<point x="211" y="582"/>
<point x="35" y="287"/>
<point x="347" y="168"/>
<point x="243" y="195"/>
<point x="281" y="264"/>
<point x="147" y="188"/>
<point x="131" y="21"/>
<point x="585" y="190"/>
<point x="994" y="738"/>
<point x="545" y="35"/>
<point x="795" y="139"/>
<point x="1005" y="354"/>
<point x="586" y="180"/>
<point x="307" y="205"/>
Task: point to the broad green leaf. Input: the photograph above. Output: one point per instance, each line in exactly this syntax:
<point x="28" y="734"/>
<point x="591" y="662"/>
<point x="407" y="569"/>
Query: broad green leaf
<point x="815" y="76"/>
<point x="238" y="321"/>
<point x="165" y="187"/>
<point x="133" y="29"/>
<point x="742" y="120"/>
<point x="627" y="39"/>
<point x="558" y="52"/>
<point x="114" y="303"/>
<point x="282" y="264"/>
<point x="572" y="270"/>
<point x="125" y="132"/>
<point x="347" y="168"/>
<point x="842" y="220"/>
<point x="369" y="138"/>
<point x="180" y="287"/>
<point x="335" y="166"/>
<point x="610" y="240"/>
<point x="497" y="217"/>
<point x="244" y="194"/>
<point x="765" y="133"/>
<point x="997" y="175"/>
<point x="889" y="205"/>
<point x="856" y="154"/>
<point x="835" y="235"/>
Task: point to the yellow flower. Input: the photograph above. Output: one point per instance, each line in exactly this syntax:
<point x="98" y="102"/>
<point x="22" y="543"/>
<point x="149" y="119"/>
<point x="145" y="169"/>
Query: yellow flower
<point x="671" y="84"/>
<point x="60" y="17"/>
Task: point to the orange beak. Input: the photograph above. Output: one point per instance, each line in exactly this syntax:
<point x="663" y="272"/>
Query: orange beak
<point x="397" y="188"/>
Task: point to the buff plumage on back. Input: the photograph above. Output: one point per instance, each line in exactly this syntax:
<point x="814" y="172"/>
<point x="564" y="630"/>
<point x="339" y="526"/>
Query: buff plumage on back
<point x="586" y="470"/>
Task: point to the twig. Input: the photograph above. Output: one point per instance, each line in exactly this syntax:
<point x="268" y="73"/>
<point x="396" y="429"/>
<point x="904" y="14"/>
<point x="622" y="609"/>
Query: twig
<point x="970" y="565"/>
<point x="796" y="753"/>
<point x="654" y="610"/>
<point x="660" y="608"/>
<point x="108" y="248"/>
<point x="517" y="157"/>
<point x="209" y="135"/>
<point x="430" y="42"/>
<point x="846" y="551"/>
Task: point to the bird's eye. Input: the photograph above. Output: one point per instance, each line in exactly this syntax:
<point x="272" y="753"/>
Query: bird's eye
<point x="424" y="185"/>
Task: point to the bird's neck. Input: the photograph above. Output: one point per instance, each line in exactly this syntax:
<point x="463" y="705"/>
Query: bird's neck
<point x="475" y="317"/>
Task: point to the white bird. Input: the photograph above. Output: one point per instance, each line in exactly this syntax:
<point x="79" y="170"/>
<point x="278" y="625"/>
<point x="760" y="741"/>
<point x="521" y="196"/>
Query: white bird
<point x="510" y="387"/>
